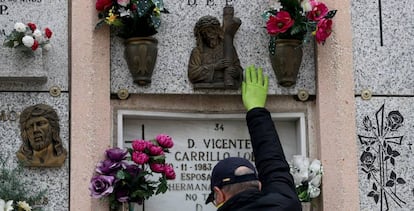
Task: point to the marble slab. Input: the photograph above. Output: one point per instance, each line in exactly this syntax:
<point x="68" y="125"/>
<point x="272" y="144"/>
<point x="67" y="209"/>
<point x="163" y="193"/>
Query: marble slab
<point x="45" y="68"/>
<point x="54" y="180"/>
<point x="385" y="150"/>
<point x="176" y="40"/>
<point x="383" y="46"/>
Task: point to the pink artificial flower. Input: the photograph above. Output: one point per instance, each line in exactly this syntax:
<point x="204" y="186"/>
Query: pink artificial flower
<point x="157" y="167"/>
<point x="319" y="11"/>
<point x="139" y="145"/>
<point x="164" y="141"/>
<point x="32" y="26"/>
<point x="103" y="4"/>
<point x="279" y="23"/>
<point x="140" y="157"/>
<point x="48" y="33"/>
<point x="155" y="150"/>
<point x="169" y="172"/>
<point x="35" y="45"/>
<point x="323" y="30"/>
<point x="123" y="3"/>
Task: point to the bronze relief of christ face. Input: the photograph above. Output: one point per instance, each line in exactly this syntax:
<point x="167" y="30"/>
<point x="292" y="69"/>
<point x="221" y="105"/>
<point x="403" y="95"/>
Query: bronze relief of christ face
<point x="42" y="145"/>
<point x="39" y="133"/>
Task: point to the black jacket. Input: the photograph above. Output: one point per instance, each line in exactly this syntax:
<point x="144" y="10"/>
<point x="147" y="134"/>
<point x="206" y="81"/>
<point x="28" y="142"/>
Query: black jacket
<point x="278" y="189"/>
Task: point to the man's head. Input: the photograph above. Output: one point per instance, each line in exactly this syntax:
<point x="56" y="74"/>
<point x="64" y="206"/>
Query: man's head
<point x="209" y="31"/>
<point x="231" y="176"/>
<point x="38" y="132"/>
<point x="39" y="128"/>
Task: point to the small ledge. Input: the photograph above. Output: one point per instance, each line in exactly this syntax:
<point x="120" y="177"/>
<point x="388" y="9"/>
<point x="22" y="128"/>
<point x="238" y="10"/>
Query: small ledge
<point x="23" y="79"/>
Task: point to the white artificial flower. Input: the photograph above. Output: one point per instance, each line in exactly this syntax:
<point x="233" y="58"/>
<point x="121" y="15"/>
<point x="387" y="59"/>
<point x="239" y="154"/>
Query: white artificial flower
<point x="123" y="3"/>
<point x="20" y="27"/>
<point x="316" y="180"/>
<point x="123" y="12"/>
<point x="6" y="206"/>
<point x="47" y="47"/>
<point x="24" y="205"/>
<point x="38" y="35"/>
<point x="313" y="191"/>
<point x="28" y="41"/>
<point x="275" y="4"/>
<point x="299" y="169"/>
<point x="306" y="5"/>
<point x="315" y="168"/>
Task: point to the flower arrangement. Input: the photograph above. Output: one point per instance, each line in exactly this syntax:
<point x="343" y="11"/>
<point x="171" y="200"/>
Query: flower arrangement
<point x="130" y="179"/>
<point x="131" y="18"/>
<point x="298" y="19"/>
<point x="15" y="193"/>
<point x="29" y="36"/>
<point x="307" y="176"/>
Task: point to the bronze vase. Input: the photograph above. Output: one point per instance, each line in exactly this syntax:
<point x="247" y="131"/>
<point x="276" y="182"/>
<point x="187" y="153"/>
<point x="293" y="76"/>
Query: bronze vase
<point x="141" y="56"/>
<point x="286" y="57"/>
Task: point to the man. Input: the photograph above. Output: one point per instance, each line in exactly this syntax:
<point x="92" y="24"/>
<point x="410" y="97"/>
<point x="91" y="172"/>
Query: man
<point x="208" y="67"/>
<point x="235" y="184"/>
<point x="42" y="146"/>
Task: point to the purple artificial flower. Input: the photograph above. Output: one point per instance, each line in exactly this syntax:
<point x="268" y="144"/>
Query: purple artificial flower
<point x="108" y="167"/>
<point x="122" y="194"/>
<point x="133" y="170"/>
<point x="101" y="186"/>
<point x="164" y="141"/>
<point x="116" y="154"/>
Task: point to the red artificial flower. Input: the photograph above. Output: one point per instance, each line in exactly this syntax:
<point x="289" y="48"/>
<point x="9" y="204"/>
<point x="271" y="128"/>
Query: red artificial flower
<point x="32" y="26"/>
<point x="323" y="30"/>
<point x="133" y="7"/>
<point x="103" y="4"/>
<point x="319" y="10"/>
<point x="48" y="33"/>
<point x="35" y="45"/>
<point x="279" y="23"/>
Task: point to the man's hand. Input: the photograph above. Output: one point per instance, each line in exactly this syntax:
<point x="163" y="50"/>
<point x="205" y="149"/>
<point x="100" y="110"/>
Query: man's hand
<point x="254" y="88"/>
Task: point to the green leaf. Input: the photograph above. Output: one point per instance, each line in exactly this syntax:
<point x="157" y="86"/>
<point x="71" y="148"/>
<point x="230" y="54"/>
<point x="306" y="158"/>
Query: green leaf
<point x="162" y="187"/>
<point x="121" y="175"/>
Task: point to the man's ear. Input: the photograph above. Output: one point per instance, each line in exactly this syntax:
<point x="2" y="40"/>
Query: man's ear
<point x="220" y="197"/>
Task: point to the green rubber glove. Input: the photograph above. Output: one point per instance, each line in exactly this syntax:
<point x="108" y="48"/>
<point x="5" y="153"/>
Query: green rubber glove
<point x="254" y="88"/>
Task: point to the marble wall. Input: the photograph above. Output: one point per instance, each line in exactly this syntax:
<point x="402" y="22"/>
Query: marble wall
<point x="383" y="64"/>
<point x="176" y="40"/>
<point x="54" y="180"/>
<point x="26" y="78"/>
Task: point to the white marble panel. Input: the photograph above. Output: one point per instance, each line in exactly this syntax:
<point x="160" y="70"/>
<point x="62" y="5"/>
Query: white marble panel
<point x="51" y="65"/>
<point x="385" y="149"/>
<point x="54" y="180"/>
<point x="383" y="46"/>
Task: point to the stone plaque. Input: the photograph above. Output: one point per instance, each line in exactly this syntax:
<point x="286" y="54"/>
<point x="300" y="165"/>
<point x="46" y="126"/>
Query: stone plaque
<point x="176" y="40"/>
<point x="385" y="141"/>
<point x="200" y="141"/>
<point x="20" y="71"/>
<point x="383" y="50"/>
<point x="54" y="180"/>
